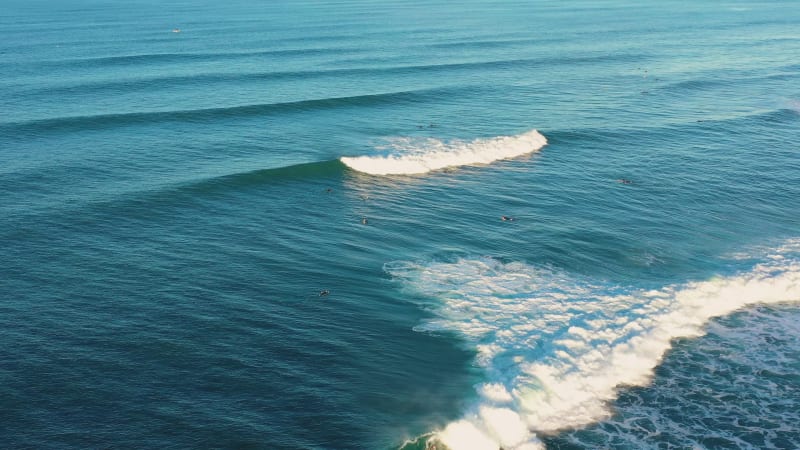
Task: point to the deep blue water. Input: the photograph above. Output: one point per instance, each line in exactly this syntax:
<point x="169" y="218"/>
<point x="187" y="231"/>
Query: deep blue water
<point x="173" y="204"/>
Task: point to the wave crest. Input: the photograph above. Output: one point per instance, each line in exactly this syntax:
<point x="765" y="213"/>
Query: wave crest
<point x="408" y="157"/>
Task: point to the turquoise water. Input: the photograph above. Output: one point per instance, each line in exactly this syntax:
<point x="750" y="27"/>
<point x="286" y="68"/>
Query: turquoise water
<point x="278" y="224"/>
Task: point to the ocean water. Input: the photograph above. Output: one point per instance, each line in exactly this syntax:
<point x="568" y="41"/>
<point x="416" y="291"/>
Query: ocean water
<point x="369" y="224"/>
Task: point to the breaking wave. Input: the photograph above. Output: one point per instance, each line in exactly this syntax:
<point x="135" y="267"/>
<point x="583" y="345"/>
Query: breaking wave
<point x="411" y="157"/>
<point x="555" y="349"/>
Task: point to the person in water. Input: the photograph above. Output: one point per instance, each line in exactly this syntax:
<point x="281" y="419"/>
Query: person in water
<point x="506" y="219"/>
<point x="363" y="220"/>
<point x="624" y="181"/>
<point x="324" y="292"/>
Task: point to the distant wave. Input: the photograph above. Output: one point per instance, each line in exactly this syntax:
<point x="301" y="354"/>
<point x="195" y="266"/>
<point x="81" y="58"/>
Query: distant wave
<point x="169" y="58"/>
<point x="555" y="349"/>
<point x="787" y="114"/>
<point x="417" y="157"/>
<point x="121" y="85"/>
<point x="708" y="84"/>
<point x="127" y="84"/>
<point x="76" y="123"/>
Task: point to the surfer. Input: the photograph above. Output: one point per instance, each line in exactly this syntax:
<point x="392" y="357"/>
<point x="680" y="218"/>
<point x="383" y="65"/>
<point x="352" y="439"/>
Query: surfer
<point x="324" y="292"/>
<point x="624" y="181"/>
<point x="506" y="218"/>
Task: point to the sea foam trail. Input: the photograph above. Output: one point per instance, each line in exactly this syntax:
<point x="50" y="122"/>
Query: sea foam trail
<point x="555" y="349"/>
<point x="410" y="157"/>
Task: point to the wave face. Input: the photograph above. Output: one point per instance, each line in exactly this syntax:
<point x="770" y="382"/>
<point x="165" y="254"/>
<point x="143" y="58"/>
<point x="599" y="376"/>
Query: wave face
<point x="555" y="348"/>
<point x="413" y="157"/>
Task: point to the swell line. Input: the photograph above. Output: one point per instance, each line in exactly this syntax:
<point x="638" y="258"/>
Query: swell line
<point x="780" y="116"/>
<point x="156" y="58"/>
<point x="138" y="84"/>
<point x="126" y="85"/>
<point x="102" y="121"/>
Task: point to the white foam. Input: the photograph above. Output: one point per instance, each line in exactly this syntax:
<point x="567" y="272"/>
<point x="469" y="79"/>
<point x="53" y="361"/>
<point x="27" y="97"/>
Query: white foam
<point x="463" y="434"/>
<point x="409" y="157"/>
<point x="555" y="349"/>
<point x="495" y="392"/>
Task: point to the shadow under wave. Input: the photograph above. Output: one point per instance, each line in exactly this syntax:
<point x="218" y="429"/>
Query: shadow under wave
<point x="311" y="170"/>
<point x="154" y="198"/>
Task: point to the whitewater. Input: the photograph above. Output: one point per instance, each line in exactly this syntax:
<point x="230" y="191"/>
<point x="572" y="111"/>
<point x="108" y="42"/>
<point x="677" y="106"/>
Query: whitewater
<point x="414" y="156"/>
<point x="555" y="349"/>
